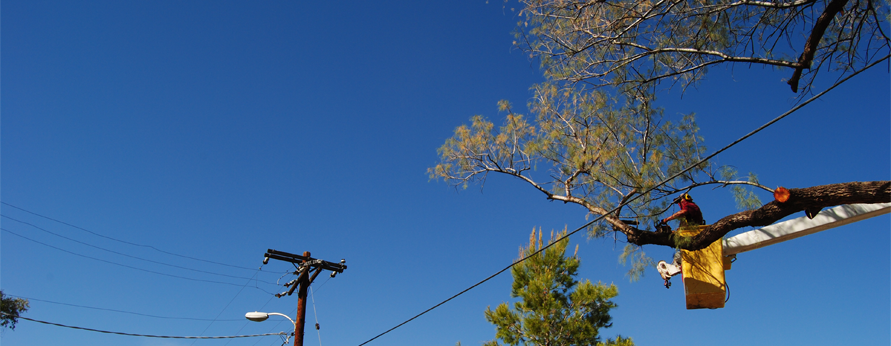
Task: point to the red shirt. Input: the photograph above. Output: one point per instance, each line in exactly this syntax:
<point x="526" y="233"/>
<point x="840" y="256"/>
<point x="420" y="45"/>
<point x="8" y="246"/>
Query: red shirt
<point x="691" y="212"/>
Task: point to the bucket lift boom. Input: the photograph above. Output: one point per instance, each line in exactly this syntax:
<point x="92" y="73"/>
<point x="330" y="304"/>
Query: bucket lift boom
<point x="703" y="271"/>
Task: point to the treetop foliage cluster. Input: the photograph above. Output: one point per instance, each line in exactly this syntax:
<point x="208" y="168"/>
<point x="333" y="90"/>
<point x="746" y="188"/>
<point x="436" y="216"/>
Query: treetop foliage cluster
<point x="10" y="309"/>
<point x="553" y="307"/>
<point x="633" y="44"/>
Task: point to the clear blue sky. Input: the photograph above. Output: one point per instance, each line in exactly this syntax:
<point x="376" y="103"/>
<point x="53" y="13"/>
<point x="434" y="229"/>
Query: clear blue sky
<point x="217" y="130"/>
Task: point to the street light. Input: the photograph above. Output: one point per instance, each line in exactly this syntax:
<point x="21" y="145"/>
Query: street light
<point x="262" y="316"/>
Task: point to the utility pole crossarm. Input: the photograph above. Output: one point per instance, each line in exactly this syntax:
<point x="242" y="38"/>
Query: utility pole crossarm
<point x="791" y="229"/>
<point x="293" y="258"/>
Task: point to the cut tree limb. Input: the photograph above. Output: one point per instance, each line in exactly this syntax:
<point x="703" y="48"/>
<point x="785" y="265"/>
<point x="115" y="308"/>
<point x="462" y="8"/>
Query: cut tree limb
<point x="799" y="200"/>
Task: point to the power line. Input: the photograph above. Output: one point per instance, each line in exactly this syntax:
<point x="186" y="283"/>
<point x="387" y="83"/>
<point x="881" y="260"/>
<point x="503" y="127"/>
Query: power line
<point x="122" y="241"/>
<point x="230" y="303"/>
<point x="622" y="204"/>
<point x="146" y="335"/>
<point x="280" y="321"/>
<point x="119" y="311"/>
<point x="123" y="254"/>
<point x="117" y="264"/>
<point x="246" y="322"/>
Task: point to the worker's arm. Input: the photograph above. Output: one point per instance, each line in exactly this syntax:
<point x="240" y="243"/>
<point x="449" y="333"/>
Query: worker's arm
<point x="675" y="215"/>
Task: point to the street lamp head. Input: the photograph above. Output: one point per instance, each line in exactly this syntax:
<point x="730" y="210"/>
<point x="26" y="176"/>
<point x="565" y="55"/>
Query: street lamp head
<point x="256" y="316"/>
<point x="262" y="316"/>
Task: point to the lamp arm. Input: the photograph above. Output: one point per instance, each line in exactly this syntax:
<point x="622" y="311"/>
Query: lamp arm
<point x="286" y="316"/>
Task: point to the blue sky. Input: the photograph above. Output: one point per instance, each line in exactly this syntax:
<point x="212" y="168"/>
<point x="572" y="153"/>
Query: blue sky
<point x="217" y="130"/>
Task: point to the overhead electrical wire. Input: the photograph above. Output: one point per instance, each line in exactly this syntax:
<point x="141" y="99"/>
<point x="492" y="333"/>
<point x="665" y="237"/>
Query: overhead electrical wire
<point x="123" y="241"/>
<point x="280" y="321"/>
<point x="249" y="280"/>
<point x="117" y="264"/>
<point x="622" y="204"/>
<point x="262" y="308"/>
<point x="119" y="311"/>
<point x="145" y="335"/>
<point x="323" y="283"/>
<point x="126" y="255"/>
<point x="230" y="303"/>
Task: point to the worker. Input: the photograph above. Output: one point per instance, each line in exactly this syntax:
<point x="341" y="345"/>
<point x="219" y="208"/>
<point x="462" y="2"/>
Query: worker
<point x="690" y="215"/>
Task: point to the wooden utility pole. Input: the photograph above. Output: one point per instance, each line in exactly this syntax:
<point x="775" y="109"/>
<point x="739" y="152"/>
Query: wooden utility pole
<point x="301" y="304"/>
<point x="306" y="264"/>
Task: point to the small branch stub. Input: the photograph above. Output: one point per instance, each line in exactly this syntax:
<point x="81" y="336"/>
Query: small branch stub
<point x="781" y="194"/>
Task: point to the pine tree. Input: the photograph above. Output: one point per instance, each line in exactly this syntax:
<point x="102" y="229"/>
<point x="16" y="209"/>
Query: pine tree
<point x="554" y="308"/>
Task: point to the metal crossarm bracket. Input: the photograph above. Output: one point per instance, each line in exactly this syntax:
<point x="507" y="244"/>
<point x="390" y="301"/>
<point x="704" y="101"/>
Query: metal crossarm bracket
<point x="298" y="259"/>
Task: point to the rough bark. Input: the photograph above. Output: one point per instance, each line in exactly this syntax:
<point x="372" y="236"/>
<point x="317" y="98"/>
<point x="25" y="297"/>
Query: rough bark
<point x="810" y="48"/>
<point x="809" y="198"/>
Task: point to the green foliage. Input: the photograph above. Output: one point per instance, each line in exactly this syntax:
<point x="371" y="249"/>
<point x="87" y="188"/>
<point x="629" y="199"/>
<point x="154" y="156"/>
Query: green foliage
<point x="639" y="261"/>
<point x="746" y="199"/>
<point x="887" y="13"/>
<point x="681" y="241"/>
<point x="600" y="150"/>
<point x="634" y="44"/>
<point x="553" y="308"/>
<point x="11" y="308"/>
<point x="619" y="341"/>
<point x="609" y="146"/>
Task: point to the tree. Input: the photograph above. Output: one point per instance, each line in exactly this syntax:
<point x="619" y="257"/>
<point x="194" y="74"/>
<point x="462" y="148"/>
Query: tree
<point x="603" y="154"/>
<point x="633" y="44"/>
<point x="554" y="309"/>
<point x="10" y="309"/>
<point x="606" y="147"/>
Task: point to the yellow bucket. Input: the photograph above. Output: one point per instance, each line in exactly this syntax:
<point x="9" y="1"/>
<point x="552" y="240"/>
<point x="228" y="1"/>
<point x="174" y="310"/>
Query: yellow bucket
<point x="703" y="273"/>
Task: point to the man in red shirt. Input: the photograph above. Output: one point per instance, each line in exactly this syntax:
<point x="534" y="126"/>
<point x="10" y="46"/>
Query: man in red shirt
<point x="690" y="215"/>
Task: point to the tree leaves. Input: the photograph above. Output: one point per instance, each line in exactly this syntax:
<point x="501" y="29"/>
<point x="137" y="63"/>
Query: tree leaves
<point x="600" y="150"/>
<point x="633" y="44"/>
<point x="11" y="309"/>
<point x="554" y="309"/>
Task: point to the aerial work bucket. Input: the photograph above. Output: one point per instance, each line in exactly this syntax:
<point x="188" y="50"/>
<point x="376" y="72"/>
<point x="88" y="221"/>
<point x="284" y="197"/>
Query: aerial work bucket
<point x="703" y="272"/>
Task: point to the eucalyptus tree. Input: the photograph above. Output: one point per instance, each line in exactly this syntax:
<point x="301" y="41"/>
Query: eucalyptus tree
<point x="554" y="308"/>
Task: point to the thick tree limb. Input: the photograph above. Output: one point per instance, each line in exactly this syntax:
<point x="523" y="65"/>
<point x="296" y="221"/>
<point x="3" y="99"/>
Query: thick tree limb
<point x="816" y="197"/>
<point x="810" y="48"/>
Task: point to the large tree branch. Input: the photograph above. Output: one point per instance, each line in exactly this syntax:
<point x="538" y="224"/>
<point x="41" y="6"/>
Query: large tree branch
<point x="621" y="62"/>
<point x="810" y="48"/>
<point x="771" y="4"/>
<point x="810" y="198"/>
